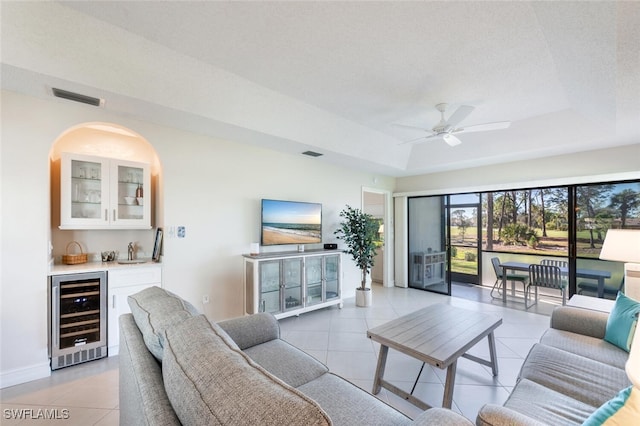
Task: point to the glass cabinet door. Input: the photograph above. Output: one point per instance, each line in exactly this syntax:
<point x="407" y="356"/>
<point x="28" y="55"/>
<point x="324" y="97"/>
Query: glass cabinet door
<point x="84" y="191"/>
<point x="86" y="187"/>
<point x="292" y="283"/>
<point x="269" y="286"/>
<point x="130" y="192"/>
<point x="331" y="272"/>
<point x="313" y="271"/>
<point x="130" y="199"/>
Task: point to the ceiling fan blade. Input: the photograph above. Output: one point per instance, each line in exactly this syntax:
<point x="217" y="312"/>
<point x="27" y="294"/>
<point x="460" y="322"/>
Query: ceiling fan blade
<point x="451" y="140"/>
<point x="484" y="127"/>
<point x="420" y="139"/>
<point x="461" y="113"/>
<point x="406" y="126"/>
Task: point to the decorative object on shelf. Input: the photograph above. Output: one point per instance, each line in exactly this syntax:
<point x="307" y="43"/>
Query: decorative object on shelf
<point x="74" y="259"/>
<point x="157" y="246"/>
<point x="359" y="230"/>
<point x="139" y="193"/>
<point x="108" y="256"/>
<point x="255" y="249"/>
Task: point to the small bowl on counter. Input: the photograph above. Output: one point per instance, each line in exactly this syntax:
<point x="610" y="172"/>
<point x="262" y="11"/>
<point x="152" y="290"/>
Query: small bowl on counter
<point x="130" y="200"/>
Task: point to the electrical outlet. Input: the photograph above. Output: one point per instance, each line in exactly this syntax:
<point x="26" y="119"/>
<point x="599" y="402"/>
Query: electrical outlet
<point x="181" y="232"/>
<point x="205" y="299"/>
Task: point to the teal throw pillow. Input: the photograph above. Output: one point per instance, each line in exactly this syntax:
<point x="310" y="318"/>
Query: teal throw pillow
<point x="622" y="322"/>
<point x="623" y="409"/>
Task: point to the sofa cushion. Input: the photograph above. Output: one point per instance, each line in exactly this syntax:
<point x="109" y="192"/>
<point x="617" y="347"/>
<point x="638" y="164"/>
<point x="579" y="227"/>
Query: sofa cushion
<point x="575" y="376"/>
<point x="209" y="381"/>
<point x="622" y="322"/>
<point x="624" y="409"/>
<point x="154" y="309"/>
<point x="545" y="405"/>
<point x="252" y="330"/>
<point x="348" y="405"/>
<point x="288" y="363"/>
<point x="590" y="347"/>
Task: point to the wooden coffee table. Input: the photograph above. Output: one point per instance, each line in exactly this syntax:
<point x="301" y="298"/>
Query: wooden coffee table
<point x="437" y="335"/>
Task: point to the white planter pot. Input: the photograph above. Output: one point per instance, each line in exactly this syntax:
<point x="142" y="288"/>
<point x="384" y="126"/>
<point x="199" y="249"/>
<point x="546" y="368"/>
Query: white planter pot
<point x="363" y="297"/>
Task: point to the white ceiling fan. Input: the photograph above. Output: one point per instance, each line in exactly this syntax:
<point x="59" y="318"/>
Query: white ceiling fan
<point x="446" y="129"/>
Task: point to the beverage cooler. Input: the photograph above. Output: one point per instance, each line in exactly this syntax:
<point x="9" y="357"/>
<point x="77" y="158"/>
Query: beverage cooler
<point x="78" y="318"/>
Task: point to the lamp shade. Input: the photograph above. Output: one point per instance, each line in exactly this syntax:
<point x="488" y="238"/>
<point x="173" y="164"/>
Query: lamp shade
<point x="621" y="245"/>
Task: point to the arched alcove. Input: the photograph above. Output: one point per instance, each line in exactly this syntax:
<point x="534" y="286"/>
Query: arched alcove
<point x="111" y="141"/>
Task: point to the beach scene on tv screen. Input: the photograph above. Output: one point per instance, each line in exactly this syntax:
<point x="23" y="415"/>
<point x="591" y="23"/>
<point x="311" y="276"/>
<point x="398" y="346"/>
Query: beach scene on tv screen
<point x="288" y="222"/>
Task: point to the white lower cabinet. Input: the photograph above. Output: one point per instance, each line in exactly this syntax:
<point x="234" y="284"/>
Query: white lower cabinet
<point x="291" y="283"/>
<point x="121" y="283"/>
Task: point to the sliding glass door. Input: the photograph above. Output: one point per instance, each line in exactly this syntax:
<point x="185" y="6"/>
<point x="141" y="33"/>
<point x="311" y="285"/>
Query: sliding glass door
<point x="428" y="260"/>
<point x="465" y="232"/>
<point x="452" y="236"/>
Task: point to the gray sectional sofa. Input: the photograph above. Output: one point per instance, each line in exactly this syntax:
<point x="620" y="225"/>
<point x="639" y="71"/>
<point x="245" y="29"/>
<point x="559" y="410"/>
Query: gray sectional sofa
<point x="566" y="376"/>
<point x="176" y="367"/>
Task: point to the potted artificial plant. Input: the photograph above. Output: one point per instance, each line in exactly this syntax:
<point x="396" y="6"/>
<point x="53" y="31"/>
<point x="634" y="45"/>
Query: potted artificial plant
<point x="358" y="230"/>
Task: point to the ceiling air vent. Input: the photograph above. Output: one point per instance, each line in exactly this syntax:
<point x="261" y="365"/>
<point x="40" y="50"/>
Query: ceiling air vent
<point x="312" y="153"/>
<point x="77" y="97"/>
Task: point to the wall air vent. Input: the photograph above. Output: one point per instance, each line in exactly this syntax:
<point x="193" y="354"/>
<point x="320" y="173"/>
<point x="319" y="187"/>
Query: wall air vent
<point x="312" y="154"/>
<point x="77" y="97"/>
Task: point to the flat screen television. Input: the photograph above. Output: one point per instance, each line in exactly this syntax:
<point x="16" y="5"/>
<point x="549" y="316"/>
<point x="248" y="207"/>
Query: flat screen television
<point x="290" y="222"/>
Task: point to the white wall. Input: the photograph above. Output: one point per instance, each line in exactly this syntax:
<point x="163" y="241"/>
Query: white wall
<point x="212" y="187"/>
<point x="589" y="166"/>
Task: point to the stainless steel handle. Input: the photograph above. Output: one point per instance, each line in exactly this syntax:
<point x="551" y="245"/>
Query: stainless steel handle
<point x="113" y="302"/>
<point x="55" y="324"/>
<point x="114" y="215"/>
<point x="264" y="306"/>
<point x="106" y="215"/>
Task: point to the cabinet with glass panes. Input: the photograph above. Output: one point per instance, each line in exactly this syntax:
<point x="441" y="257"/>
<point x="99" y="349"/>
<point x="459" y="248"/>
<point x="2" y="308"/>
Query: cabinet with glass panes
<point x="104" y="193"/>
<point x="287" y="283"/>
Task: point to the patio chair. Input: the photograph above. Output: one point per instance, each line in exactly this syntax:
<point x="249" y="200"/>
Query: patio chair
<point x="546" y="276"/>
<point x="592" y="287"/>
<point x="510" y="277"/>
<point x="554" y="262"/>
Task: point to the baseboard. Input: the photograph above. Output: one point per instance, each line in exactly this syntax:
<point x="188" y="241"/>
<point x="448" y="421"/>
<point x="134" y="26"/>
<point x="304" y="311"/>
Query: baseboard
<point x="113" y="350"/>
<point x="24" y="375"/>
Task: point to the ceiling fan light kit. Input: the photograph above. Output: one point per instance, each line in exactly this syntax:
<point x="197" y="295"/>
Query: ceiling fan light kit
<point x="451" y="140"/>
<point x="446" y="128"/>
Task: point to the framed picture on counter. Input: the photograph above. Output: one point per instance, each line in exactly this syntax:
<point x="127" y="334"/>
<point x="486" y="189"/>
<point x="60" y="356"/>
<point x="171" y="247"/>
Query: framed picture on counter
<point x="157" y="247"/>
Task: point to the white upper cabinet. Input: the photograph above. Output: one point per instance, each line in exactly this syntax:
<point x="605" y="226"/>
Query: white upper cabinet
<point x="104" y="193"/>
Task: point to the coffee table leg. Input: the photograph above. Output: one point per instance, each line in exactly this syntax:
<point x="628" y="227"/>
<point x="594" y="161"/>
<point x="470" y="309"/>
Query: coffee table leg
<point x="382" y="361"/>
<point x="492" y="353"/>
<point x="448" y="385"/>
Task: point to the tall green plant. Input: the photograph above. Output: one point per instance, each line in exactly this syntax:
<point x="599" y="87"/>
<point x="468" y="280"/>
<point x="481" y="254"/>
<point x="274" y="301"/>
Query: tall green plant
<point x="359" y="230"/>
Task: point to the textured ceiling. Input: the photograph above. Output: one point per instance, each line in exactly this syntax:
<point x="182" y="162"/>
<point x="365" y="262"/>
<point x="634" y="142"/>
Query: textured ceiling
<point x="337" y="77"/>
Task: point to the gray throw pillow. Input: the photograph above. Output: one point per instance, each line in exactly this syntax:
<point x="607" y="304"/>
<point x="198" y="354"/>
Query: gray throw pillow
<point x="154" y="309"/>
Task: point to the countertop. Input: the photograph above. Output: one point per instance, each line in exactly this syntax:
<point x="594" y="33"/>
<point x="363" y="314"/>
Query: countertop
<point x="58" y="269"/>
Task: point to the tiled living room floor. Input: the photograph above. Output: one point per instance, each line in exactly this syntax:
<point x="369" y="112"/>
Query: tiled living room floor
<point x="336" y="337"/>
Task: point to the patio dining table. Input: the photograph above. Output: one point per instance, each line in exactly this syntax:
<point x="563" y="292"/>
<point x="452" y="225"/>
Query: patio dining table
<point x="593" y="274"/>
